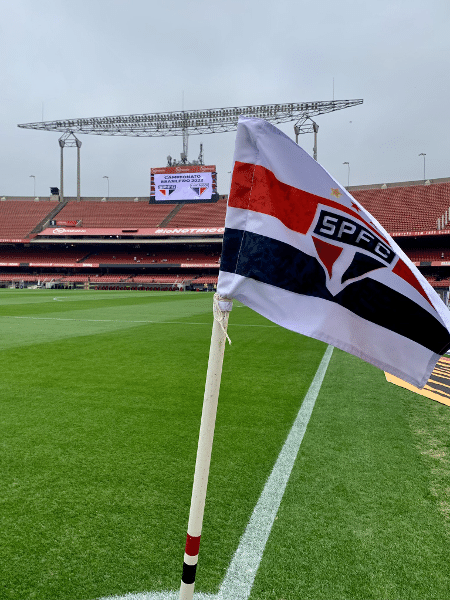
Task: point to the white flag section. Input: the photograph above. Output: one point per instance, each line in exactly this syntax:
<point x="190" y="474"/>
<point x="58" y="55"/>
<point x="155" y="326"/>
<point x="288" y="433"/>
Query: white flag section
<point x="302" y="252"/>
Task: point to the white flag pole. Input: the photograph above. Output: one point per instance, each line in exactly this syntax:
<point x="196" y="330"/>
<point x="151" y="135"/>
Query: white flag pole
<point x="221" y="308"/>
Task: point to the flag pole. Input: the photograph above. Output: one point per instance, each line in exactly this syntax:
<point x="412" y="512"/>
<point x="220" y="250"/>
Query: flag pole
<point x="221" y="309"/>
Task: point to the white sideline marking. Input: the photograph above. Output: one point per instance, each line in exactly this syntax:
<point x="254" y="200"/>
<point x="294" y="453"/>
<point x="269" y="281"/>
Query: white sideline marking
<point x="241" y="573"/>
<point x="124" y="321"/>
<point x="159" y="596"/>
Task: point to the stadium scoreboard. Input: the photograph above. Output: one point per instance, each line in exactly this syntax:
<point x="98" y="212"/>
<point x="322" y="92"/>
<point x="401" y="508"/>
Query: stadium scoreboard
<point x="183" y="183"/>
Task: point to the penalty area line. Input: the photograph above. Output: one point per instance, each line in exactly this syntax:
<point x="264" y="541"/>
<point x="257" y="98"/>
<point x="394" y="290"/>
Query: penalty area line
<point x="241" y="573"/>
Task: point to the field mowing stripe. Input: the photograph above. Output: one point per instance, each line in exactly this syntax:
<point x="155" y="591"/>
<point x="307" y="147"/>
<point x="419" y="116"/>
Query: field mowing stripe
<point x="241" y="573"/>
<point x="124" y="321"/>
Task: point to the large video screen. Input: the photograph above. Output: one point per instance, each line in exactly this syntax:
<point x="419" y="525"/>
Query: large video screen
<point x="183" y="183"/>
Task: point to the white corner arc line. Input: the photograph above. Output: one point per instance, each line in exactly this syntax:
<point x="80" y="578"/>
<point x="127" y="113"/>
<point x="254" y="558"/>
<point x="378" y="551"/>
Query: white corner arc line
<point x="241" y="573"/>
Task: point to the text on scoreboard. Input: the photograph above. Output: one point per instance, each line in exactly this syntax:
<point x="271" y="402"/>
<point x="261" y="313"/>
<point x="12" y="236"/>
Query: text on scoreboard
<point x="183" y="183"/>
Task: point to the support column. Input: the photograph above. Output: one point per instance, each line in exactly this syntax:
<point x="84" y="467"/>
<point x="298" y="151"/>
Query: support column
<point x="61" y="176"/>
<point x="316" y="131"/>
<point x="69" y="139"/>
<point x="78" y="170"/>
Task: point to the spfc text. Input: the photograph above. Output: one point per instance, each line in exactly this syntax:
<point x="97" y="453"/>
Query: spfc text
<point x="347" y="231"/>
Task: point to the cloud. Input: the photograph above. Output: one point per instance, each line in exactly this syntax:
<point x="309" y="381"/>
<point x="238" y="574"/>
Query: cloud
<point x="106" y="57"/>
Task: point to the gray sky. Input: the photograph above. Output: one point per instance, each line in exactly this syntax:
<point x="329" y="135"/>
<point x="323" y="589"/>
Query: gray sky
<point x="65" y="59"/>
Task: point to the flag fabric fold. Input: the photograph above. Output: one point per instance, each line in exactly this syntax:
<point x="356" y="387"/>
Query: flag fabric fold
<point x="299" y="250"/>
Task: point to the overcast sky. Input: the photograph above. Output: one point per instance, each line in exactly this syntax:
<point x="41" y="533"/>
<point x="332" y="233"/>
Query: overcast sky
<point x="64" y="59"/>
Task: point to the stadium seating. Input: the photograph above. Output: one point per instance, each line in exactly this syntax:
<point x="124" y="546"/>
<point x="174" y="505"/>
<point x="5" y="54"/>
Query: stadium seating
<point x="19" y="217"/>
<point x="116" y="214"/>
<point x="428" y="254"/>
<point x="201" y="215"/>
<point x="69" y="255"/>
<point x="437" y="282"/>
<point x="400" y="208"/>
<point x="139" y="256"/>
<point x="157" y="278"/>
<point x="206" y="279"/>
<point x="406" y="208"/>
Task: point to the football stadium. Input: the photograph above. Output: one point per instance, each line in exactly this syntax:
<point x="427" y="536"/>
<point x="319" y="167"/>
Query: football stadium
<point x="326" y="480"/>
<point x="129" y="243"/>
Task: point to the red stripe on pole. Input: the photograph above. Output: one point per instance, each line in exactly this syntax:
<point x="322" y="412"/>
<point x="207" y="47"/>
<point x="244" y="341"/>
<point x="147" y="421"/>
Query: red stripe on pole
<point x="192" y="545"/>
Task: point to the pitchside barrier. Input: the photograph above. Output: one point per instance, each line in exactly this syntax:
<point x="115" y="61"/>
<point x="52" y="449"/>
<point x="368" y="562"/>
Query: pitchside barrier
<point x="163" y="287"/>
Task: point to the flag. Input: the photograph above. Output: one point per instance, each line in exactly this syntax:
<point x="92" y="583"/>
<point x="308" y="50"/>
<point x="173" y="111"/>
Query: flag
<point x="302" y="252"/>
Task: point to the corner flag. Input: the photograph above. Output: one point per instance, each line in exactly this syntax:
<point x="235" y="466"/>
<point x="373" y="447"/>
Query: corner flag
<point x="302" y="252"/>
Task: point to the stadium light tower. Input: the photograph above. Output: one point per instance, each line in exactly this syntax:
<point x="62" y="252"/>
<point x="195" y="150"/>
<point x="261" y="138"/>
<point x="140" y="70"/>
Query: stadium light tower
<point x="192" y="122"/>
<point x="34" y="185"/>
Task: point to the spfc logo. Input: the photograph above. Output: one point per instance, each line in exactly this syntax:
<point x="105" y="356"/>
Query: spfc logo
<point x="166" y="190"/>
<point x="199" y="188"/>
<point x="348" y="249"/>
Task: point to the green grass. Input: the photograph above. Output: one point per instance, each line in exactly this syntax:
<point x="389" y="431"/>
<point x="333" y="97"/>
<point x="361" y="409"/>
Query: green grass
<point x="99" y="417"/>
<point x="358" y="520"/>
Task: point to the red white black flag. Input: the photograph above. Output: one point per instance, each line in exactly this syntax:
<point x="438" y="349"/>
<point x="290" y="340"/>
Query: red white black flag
<point x="302" y="252"/>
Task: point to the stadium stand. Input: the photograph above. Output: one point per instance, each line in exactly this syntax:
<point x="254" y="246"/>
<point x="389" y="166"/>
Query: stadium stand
<point x="36" y="254"/>
<point x="429" y="254"/>
<point x="201" y="215"/>
<point x="211" y="280"/>
<point x="140" y="257"/>
<point x="119" y="214"/>
<point x="402" y="207"/>
<point x="18" y="218"/>
<point x="182" y="250"/>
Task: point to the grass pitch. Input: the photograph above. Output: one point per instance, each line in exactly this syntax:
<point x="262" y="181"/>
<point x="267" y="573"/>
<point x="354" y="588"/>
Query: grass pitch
<point x="99" y="417"/>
